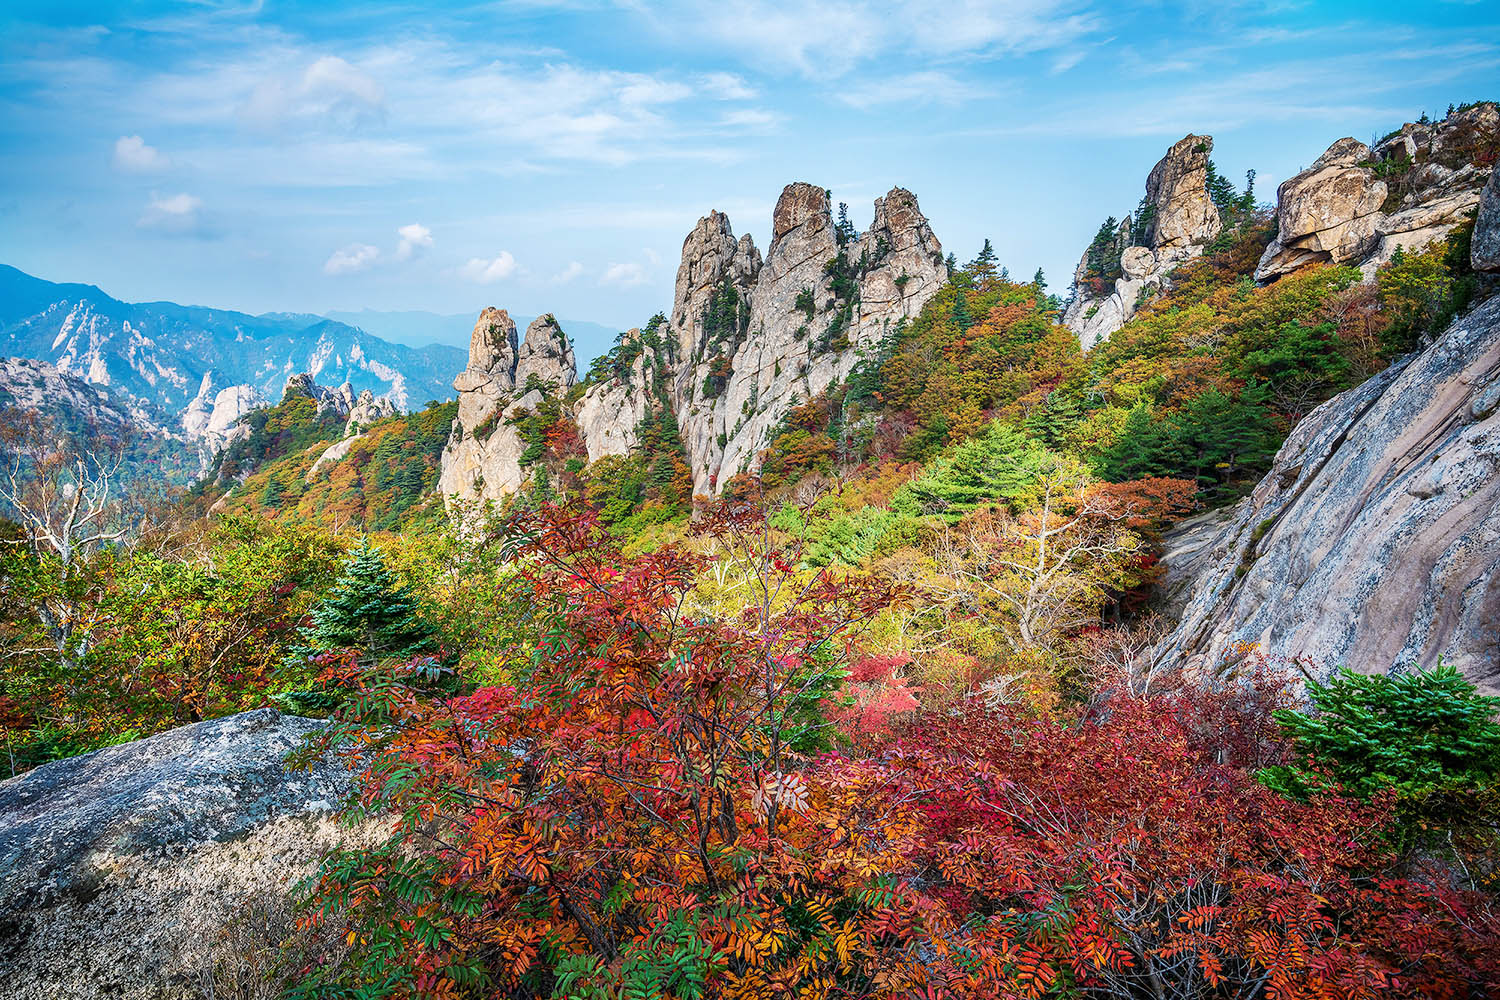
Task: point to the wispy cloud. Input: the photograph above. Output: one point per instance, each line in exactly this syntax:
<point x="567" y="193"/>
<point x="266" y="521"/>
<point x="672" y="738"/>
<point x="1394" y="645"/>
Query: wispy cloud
<point x="351" y="259"/>
<point x="923" y="87"/>
<point x="329" y="93"/>
<point x="487" y="272"/>
<point x="413" y="239"/>
<point x="568" y="274"/>
<point x="175" y="214"/>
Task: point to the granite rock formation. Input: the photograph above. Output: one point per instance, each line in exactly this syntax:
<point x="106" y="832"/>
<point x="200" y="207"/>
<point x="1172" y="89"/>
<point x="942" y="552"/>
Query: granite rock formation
<point x="504" y="379"/>
<point x="1356" y="205"/>
<point x="748" y="339"/>
<point x="1374" y="541"/>
<point x="121" y="870"/>
<point x="1177" y="219"/>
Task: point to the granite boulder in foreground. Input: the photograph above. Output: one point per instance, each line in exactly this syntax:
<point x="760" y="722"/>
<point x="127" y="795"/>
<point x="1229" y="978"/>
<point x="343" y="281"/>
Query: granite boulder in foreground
<point x="160" y="868"/>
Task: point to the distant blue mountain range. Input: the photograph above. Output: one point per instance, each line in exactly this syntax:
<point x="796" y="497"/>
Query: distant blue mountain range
<point x="169" y="355"/>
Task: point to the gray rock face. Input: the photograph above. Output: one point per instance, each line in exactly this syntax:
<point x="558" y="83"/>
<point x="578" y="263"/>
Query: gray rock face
<point x="747" y="340"/>
<point x="482" y="460"/>
<point x="1374" y="541"/>
<point x="118" y="869"/>
<point x="1177" y="187"/>
<point x="1485" y="252"/>
<point x="1183" y="219"/>
<point x="1339" y="210"/>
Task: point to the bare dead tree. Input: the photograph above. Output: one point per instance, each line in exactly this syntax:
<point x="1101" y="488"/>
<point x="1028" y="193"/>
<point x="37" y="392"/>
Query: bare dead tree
<point x="64" y="496"/>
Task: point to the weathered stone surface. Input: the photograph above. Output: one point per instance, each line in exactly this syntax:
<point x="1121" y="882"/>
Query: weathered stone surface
<point x="545" y="356"/>
<point x="1177" y="187"/>
<point x="120" y="869"/>
<point x="609" y="414"/>
<point x="1374" y="541"/>
<point x="1485" y="252"/>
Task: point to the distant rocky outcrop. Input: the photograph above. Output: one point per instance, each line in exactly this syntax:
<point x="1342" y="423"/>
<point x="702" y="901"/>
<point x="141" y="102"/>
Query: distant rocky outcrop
<point x="1356" y="205"/>
<point x="127" y="873"/>
<point x="1374" y="541"/>
<point x="212" y="413"/>
<point x="1175" y="220"/>
<point x="748" y="339"/>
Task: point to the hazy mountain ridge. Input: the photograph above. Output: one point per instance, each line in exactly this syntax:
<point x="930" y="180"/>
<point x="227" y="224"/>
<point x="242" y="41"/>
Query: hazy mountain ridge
<point x="180" y="358"/>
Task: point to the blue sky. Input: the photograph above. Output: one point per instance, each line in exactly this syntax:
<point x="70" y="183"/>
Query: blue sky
<point x="551" y="156"/>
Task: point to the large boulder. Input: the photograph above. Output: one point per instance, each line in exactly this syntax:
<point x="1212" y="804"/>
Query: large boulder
<point x="1358" y="206"/>
<point x="1326" y="213"/>
<point x="155" y="869"/>
<point x="1374" y="541"/>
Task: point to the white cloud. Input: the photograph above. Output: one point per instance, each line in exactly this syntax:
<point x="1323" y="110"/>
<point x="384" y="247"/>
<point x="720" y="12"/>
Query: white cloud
<point x="626" y="275"/>
<point x="487" y="272"/>
<point x="726" y="87"/>
<point x="414" y="238"/>
<point x="132" y="153"/>
<point x="176" y="213"/>
<point x="567" y="274"/>
<point x="329" y="92"/>
<point x="351" y="259"/>
<point x="924" y="87"/>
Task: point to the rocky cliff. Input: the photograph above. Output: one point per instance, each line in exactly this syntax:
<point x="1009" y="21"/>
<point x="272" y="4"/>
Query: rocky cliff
<point x="1374" y="541"/>
<point x="1356" y="205"/>
<point x="748" y="338"/>
<point x="1174" y="221"/>
<point x="158" y="868"/>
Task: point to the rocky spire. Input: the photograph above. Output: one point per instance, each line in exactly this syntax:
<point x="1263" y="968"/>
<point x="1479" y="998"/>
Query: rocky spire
<point x="710" y="255"/>
<point x="1180" y="219"/>
<point x="747" y="340"/>
<point x="1183" y="214"/>
<point x="546" y="356"/>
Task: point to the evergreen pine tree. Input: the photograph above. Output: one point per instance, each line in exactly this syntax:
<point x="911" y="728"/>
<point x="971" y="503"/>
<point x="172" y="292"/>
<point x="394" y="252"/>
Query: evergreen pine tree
<point x="367" y="610"/>
<point x="983" y="266"/>
<point x="961" y="316"/>
<point x="1039" y="280"/>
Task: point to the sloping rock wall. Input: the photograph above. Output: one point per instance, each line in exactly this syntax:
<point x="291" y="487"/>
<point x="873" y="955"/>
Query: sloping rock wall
<point x="1374" y="541"/>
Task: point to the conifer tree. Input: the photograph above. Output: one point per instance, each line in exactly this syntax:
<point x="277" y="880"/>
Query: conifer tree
<point x="368" y="610"/>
